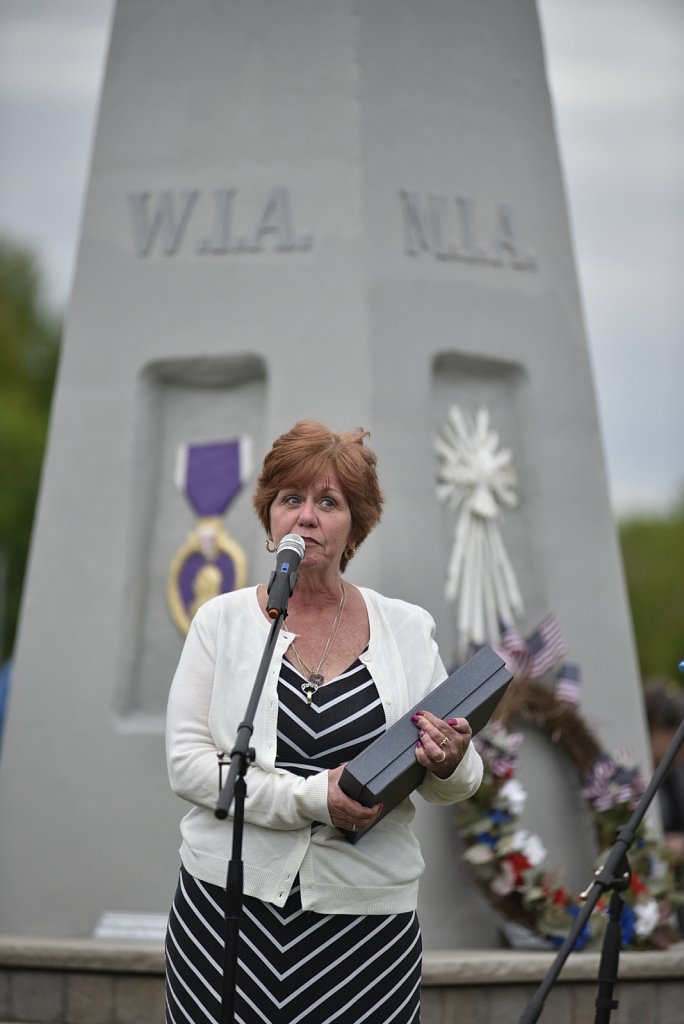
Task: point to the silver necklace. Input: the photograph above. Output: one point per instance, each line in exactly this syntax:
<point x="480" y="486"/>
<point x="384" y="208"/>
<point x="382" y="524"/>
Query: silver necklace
<point x="315" y="677"/>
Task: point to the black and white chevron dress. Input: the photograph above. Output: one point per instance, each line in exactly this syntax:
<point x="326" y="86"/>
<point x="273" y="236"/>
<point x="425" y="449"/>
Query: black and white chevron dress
<point x="296" y="966"/>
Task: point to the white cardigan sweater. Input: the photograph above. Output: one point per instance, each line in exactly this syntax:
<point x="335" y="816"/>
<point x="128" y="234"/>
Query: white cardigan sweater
<point x="207" y="702"/>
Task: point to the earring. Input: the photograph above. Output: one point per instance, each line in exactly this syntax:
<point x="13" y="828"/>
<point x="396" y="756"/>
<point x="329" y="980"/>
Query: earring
<point x="270" y="546"/>
<point x="350" y="552"/>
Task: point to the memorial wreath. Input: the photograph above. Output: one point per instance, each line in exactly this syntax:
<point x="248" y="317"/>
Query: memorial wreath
<point x="509" y="861"/>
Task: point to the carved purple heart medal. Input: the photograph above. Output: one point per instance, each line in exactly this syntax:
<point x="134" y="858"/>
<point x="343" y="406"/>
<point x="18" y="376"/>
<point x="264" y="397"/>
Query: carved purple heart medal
<point x="209" y="562"/>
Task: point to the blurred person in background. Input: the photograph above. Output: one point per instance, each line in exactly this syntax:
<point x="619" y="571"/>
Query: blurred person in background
<point x="665" y="712"/>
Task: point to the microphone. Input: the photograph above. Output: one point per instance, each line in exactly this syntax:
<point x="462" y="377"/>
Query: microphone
<point x="289" y="554"/>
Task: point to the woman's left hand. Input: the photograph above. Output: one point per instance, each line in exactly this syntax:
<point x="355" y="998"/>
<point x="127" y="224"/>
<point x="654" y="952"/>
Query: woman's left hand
<point x="441" y="745"/>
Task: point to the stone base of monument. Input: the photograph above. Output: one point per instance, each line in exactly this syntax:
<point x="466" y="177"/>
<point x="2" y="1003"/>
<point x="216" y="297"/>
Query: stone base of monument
<point x="92" y="981"/>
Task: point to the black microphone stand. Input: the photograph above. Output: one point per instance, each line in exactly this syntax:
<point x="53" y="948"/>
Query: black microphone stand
<point x="235" y="786"/>
<point x="615" y="875"/>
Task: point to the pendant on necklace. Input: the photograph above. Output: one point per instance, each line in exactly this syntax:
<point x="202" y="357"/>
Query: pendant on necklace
<point x="311" y="685"/>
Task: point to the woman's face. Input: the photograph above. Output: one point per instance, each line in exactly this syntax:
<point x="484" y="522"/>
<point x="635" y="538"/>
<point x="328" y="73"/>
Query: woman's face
<point x="320" y="515"/>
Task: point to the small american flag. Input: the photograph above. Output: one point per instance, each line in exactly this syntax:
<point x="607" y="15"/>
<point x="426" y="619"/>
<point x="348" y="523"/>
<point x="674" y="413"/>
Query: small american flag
<point x="511" y="647"/>
<point x="531" y="658"/>
<point x="568" y="683"/>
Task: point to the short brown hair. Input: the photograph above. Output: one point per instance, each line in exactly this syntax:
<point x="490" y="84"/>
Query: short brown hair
<point x="304" y="454"/>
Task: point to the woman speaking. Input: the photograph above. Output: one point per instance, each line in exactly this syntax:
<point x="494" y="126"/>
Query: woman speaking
<point x="329" y="930"/>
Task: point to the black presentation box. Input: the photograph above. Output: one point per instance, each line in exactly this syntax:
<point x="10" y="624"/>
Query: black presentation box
<point x="387" y="770"/>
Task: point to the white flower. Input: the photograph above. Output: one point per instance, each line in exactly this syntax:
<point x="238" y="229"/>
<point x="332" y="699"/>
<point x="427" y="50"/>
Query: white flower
<point x="479" y="853"/>
<point x="514" y="796"/>
<point x="530" y="845"/>
<point x="647" y="917"/>
<point x="504" y="883"/>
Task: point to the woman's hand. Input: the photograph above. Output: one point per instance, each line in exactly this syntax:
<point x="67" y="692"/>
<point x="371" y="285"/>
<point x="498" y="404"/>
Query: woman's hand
<point x="344" y="812"/>
<point x="441" y="745"/>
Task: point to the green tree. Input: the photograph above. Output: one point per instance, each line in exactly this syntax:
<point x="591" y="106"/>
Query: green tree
<point x="29" y="346"/>
<point x="653" y="555"/>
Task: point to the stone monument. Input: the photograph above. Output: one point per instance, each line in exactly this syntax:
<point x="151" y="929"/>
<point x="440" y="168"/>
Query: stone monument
<point x="296" y="208"/>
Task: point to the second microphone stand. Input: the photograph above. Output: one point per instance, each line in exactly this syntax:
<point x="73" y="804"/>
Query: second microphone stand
<point x="614" y="875"/>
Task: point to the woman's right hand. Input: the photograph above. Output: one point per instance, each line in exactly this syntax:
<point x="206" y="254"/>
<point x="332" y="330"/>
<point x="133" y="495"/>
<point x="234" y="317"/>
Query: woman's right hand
<point x="347" y="813"/>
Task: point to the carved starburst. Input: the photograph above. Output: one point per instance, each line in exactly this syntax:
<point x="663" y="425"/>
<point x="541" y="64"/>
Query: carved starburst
<point x="476" y="480"/>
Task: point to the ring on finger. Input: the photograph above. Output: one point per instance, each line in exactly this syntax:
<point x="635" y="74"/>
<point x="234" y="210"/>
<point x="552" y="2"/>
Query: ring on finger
<point x="444" y="742"/>
<point x="439" y="760"/>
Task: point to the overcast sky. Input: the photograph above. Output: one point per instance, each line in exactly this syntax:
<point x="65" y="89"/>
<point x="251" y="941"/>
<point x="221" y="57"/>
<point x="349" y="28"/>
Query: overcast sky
<point x="616" y="72"/>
